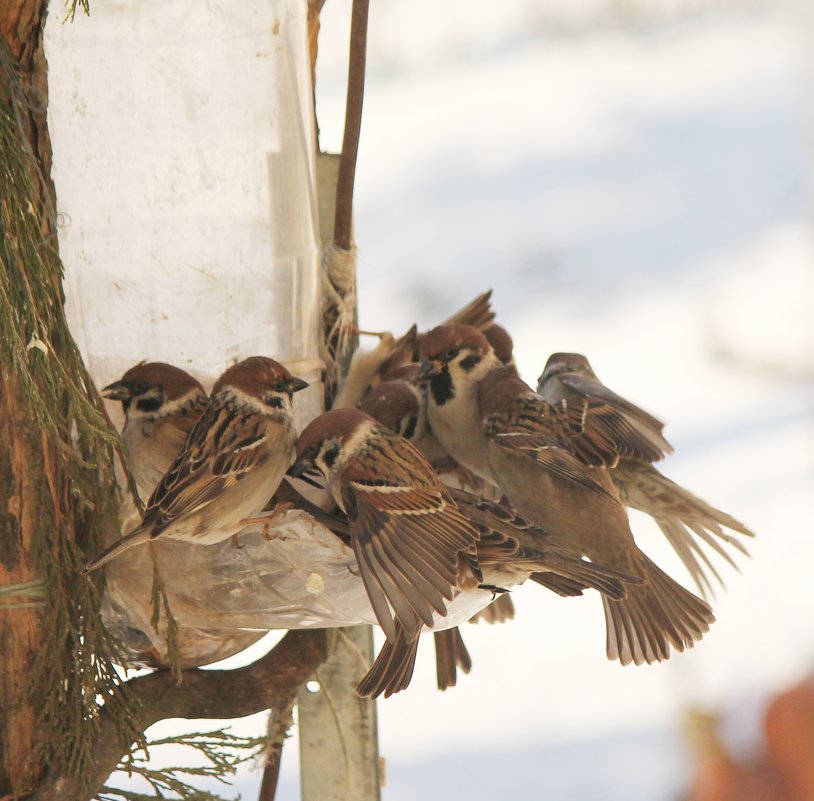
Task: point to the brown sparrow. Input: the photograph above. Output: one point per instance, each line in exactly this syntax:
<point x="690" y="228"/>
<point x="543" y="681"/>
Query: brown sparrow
<point x="414" y="547"/>
<point x="161" y="404"/>
<point x="370" y="368"/>
<point x="231" y="463"/>
<point x="569" y="377"/>
<point x="536" y="453"/>
<point x="510" y="549"/>
<point x="685" y="519"/>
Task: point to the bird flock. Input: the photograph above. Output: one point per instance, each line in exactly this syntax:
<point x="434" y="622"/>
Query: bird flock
<point x="449" y="478"/>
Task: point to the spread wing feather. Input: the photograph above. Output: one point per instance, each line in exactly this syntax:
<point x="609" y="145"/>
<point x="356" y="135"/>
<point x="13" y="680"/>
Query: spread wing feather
<point x="410" y="540"/>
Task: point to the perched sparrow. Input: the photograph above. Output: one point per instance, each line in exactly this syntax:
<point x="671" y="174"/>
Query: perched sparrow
<point x="568" y="377"/>
<point x="161" y="405"/>
<point x="231" y="463"/>
<point x="414" y="547"/>
<point x="536" y="453"/>
<point x="685" y="520"/>
<point x="383" y="363"/>
<point x="401" y="524"/>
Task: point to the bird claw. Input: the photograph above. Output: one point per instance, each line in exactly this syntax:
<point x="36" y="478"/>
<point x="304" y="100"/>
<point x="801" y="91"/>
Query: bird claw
<point x="268" y="519"/>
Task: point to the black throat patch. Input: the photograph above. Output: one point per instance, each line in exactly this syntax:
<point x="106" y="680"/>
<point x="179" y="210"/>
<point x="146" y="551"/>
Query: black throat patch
<point x="441" y="387"/>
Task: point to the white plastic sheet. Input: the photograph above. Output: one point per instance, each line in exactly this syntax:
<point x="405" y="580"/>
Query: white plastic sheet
<point x="183" y="138"/>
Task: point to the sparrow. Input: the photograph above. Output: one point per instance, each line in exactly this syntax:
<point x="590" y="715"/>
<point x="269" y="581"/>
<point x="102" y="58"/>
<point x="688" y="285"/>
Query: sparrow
<point x="685" y="519"/>
<point x="398" y="406"/>
<point x="550" y="462"/>
<point x="414" y="547"/>
<point x="569" y="377"/>
<point x="161" y="404"/>
<point x="230" y="465"/>
<point x="370" y="368"/>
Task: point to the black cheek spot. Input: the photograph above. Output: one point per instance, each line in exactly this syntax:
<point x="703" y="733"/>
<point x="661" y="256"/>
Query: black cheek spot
<point x="275" y="402"/>
<point x="409" y="428"/>
<point x="149" y="404"/>
<point x="329" y="457"/>
<point x="469" y="362"/>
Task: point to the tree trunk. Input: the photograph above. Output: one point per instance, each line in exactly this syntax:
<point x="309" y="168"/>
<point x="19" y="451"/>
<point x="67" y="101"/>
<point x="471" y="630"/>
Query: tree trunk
<point x="22" y="477"/>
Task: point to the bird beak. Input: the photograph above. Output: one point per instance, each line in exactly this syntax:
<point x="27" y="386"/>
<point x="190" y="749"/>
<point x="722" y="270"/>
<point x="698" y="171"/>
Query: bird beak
<point x="295" y="384"/>
<point x="430" y="368"/>
<point x="118" y="391"/>
<point x="304" y="464"/>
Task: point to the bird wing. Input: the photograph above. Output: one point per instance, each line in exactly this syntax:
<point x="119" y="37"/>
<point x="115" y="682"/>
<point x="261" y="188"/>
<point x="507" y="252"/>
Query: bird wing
<point x="648" y="429"/>
<point x="409" y="538"/>
<point x="600" y="434"/>
<point x="523" y="431"/>
<point x="220" y="450"/>
<point x="477" y="313"/>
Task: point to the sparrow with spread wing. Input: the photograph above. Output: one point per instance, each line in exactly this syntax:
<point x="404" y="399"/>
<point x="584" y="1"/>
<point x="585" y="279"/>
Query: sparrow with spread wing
<point x="548" y="461"/>
<point x="686" y="520"/>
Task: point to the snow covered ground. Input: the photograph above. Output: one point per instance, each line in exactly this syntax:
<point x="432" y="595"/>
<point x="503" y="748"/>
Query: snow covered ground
<point x="638" y="194"/>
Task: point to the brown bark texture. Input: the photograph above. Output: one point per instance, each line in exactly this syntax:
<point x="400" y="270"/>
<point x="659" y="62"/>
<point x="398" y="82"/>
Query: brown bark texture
<point x="21" y="449"/>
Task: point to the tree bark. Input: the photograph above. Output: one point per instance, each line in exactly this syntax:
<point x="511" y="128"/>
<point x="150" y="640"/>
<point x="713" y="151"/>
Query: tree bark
<point x="22" y="479"/>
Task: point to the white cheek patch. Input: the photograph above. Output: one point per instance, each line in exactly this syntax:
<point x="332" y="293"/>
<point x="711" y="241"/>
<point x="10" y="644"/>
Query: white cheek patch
<point x="352" y="444"/>
<point x="257" y="405"/>
<point x="180" y="404"/>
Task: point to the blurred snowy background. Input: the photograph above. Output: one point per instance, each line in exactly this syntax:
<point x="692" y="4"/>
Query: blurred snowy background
<point x="633" y="179"/>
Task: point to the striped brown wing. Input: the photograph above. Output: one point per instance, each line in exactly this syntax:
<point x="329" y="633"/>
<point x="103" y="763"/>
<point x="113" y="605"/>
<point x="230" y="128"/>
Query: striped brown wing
<point x="524" y="430"/>
<point x="589" y="387"/>
<point x="220" y="450"/>
<point x="600" y="434"/>
<point x="409" y="538"/>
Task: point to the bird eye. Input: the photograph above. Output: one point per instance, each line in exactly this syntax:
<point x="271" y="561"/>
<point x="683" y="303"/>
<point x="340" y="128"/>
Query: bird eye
<point x="139" y="388"/>
<point x="451" y="353"/>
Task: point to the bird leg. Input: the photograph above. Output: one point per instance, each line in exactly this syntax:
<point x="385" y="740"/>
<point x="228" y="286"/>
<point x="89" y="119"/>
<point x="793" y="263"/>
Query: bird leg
<point x="269" y="518"/>
<point x="377" y="334"/>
